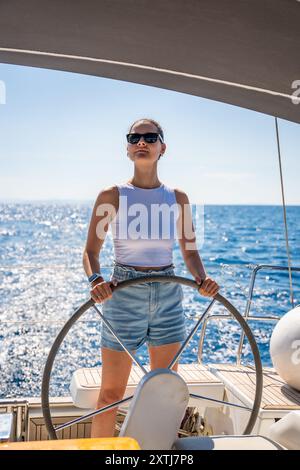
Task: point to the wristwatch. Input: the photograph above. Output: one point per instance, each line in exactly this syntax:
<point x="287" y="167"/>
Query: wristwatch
<point x="94" y="277"/>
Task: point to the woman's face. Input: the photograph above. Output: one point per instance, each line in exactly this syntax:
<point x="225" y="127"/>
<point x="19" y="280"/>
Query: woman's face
<point x="142" y="152"/>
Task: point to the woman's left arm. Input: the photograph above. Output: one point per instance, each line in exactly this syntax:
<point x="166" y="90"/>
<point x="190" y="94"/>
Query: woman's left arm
<point x="187" y="241"/>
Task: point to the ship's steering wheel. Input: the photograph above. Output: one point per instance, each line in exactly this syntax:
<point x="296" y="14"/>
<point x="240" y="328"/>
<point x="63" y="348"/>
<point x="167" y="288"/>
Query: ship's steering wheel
<point x="123" y="285"/>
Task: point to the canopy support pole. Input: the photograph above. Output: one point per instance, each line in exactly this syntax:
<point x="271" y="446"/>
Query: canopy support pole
<point x="284" y="215"/>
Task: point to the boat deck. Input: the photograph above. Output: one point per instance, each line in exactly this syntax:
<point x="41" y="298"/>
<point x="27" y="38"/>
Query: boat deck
<point x="191" y="373"/>
<point x="85" y="384"/>
<point x="277" y="395"/>
<point x="209" y="381"/>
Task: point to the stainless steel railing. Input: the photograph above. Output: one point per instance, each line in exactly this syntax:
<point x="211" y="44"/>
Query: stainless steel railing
<point x="248" y="317"/>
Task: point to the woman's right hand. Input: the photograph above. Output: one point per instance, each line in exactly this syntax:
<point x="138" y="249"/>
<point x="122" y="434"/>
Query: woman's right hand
<point x="101" y="291"/>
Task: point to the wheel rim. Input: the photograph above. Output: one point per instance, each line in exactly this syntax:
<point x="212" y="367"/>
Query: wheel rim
<point x="123" y="285"/>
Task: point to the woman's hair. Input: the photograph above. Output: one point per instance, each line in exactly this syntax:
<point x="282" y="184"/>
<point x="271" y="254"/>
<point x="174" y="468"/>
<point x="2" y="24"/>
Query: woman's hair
<point x="156" y="124"/>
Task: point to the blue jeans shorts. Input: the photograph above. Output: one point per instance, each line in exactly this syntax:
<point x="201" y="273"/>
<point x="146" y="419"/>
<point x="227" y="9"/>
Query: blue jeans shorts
<point x="149" y="312"/>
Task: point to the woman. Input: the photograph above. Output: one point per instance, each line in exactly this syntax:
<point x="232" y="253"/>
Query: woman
<point x="149" y="312"/>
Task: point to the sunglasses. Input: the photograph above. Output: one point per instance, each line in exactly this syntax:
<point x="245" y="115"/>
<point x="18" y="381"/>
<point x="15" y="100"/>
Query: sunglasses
<point x="149" y="137"/>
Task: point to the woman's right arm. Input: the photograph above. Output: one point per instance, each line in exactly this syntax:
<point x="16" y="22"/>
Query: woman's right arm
<point x="105" y="209"/>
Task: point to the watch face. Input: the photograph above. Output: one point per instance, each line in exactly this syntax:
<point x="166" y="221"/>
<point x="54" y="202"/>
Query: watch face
<point x="93" y="277"/>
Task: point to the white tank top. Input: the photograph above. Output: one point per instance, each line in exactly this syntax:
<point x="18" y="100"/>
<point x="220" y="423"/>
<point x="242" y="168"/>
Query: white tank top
<point x="144" y="228"/>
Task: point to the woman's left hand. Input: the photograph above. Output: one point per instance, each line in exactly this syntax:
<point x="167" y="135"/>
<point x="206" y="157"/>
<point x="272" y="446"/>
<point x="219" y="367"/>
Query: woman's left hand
<point x="209" y="287"/>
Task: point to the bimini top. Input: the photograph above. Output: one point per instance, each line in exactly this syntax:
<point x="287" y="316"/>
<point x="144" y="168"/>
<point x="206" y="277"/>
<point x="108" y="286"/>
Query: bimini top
<point x="242" y="52"/>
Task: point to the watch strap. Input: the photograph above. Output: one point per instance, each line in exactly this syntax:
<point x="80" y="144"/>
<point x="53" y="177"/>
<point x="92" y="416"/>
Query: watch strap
<point x="94" y="277"/>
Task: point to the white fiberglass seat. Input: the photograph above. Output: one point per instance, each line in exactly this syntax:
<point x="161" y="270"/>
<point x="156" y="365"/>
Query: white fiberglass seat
<point x="226" y="443"/>
<point x="157" y="409"/>
<point x="284" y="434"/>
<point x="287" y="430"/>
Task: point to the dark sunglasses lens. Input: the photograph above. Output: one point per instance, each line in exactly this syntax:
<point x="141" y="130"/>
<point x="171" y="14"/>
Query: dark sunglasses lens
<point x="133" y="138"/>
<point x="150" y="138"/>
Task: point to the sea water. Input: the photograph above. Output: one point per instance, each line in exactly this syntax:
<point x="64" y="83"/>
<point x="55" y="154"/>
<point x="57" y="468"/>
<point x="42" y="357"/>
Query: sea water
<point x="42" y="282"/>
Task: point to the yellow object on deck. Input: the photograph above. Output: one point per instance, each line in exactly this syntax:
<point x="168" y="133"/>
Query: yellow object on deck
<point x="103" y="443"/>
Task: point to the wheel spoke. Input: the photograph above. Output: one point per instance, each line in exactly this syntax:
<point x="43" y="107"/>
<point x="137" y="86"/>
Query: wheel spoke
<point x="93" y="413"/>
<point x="106" y="322"/>
<point x="190" y="336"/>
<point x="227" y="403"/>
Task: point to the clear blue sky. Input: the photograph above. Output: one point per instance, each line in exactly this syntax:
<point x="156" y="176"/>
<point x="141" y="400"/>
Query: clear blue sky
<point x="62" y="136"/>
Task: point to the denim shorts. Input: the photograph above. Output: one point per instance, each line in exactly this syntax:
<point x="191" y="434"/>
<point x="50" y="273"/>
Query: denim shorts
<point x="149" y="312"/>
